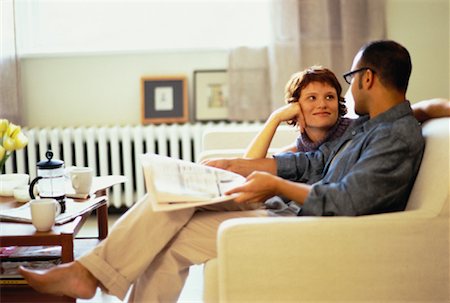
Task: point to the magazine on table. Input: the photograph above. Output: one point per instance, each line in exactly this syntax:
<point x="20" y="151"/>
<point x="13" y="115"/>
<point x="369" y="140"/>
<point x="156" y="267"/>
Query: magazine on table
<point x="175" y="184"/>
<point x="36" y="257"/>
<point x="27" y="253"/>
<point x="9" y="270"/>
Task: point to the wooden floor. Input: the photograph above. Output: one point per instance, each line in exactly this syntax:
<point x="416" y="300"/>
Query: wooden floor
<point x="192" y="292"/>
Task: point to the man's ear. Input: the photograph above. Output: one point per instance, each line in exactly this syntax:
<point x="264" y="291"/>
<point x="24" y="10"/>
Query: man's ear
<point x="369" y="78"/>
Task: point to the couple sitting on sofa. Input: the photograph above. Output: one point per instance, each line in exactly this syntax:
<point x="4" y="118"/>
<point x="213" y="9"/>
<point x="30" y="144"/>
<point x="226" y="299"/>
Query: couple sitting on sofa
<point x="342" y="172"/>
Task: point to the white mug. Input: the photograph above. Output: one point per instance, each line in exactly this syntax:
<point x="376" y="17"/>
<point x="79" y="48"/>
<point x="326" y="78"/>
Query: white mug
<point x="81" y="178"/>
<point x="43" y="213"/>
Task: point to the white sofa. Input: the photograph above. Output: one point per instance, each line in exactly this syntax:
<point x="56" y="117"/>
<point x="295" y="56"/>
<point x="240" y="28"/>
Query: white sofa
<point x="396" y="257"/>
<point x="231" y="142"/>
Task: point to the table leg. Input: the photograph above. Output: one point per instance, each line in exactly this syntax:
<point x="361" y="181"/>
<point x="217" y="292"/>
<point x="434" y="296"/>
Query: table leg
<point x="66" y="248"/>
<point x="102" y="221"/>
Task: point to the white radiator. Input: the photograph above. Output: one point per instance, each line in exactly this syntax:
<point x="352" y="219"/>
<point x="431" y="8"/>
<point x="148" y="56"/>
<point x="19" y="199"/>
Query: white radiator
<point x="113" y="150"/>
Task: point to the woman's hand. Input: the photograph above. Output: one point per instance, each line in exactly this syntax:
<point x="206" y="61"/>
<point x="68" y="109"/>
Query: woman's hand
<point x="290" y="112"/>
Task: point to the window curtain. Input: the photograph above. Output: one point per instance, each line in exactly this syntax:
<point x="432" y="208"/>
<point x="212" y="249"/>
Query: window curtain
<point x="304" y="33"/>
<point x="9" y="65"/>
<point x="247" y="74"/>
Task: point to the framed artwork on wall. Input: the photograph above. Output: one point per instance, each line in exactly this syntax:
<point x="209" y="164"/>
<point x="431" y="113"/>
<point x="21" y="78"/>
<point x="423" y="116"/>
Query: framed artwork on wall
<point x="211" y="95"/>
<point x="164" y="100"/>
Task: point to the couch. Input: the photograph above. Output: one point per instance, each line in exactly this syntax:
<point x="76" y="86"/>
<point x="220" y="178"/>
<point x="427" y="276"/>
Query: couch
<point x="395" y="257"/>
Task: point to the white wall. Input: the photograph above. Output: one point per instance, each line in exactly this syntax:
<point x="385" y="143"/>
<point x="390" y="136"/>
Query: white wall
<point x="105" y="89"/>
<point x="422" y="26"/>
<point x="100" y="89"/>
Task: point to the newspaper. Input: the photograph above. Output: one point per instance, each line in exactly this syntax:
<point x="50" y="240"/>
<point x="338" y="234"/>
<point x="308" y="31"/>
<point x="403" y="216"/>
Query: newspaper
<point x="175" y="184"/>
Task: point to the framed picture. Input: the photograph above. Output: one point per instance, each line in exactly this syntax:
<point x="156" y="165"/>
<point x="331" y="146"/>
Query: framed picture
<point x="164" y="100"/>
<point x="211" y="95"/>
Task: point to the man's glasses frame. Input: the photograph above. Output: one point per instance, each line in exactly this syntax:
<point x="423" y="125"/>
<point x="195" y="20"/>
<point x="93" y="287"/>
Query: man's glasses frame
<point x="348" y="76"/>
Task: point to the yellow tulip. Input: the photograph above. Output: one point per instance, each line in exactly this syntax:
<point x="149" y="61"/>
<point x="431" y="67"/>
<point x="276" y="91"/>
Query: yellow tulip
<point x="13" y="130"/>
<point x="8" y="143"/>
<point x="11" y="138"/>
<point x="3" y="125"/>
<point x="2" y="152"/>
<point x="20" y="141"/>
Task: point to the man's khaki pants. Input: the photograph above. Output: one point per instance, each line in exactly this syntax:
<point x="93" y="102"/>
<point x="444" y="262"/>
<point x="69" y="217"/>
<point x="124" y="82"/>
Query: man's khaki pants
<point x="153" y="250"/>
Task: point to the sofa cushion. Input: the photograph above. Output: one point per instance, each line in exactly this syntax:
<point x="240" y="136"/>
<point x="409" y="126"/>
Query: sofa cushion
<point x="431" y="188"/>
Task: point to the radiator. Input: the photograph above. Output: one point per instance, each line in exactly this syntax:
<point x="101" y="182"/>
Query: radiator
<point x="113" y="151"/>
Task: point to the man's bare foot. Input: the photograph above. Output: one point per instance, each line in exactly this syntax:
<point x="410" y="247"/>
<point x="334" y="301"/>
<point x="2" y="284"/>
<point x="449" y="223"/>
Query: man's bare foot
<point x="70" y="279"/>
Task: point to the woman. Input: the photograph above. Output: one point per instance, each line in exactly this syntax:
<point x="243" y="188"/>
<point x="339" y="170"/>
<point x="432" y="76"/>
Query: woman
<point x="316" y="107"/>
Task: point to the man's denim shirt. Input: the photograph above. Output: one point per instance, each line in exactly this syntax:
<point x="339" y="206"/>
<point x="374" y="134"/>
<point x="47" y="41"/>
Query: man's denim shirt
<point x="374" y="174"/>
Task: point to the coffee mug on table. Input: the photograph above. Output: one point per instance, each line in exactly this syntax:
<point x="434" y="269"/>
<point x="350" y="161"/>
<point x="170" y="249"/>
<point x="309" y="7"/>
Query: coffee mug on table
<point x="81" y="178"/>
<point x="43" y="213"/>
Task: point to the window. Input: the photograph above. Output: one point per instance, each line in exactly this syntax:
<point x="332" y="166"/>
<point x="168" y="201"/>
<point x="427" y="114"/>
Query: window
<point x="76" y="26"/>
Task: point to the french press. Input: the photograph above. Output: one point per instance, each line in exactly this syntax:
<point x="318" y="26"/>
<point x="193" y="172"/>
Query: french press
<point x="51" y="180"/>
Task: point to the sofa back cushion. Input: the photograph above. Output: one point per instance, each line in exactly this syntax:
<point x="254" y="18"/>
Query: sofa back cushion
<point x="240" y="137"/>
<point x="431" y="188"/>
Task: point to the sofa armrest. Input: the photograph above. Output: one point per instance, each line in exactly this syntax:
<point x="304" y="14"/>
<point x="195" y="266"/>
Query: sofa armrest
<point x="333" y="259"/>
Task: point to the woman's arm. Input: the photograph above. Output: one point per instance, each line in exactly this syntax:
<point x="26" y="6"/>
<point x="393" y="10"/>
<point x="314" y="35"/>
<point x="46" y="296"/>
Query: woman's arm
<point x="244" y="167"/>
<point x="432" y="108"/>
<point x="260" y="144"/>
<point x="290" y="148"/>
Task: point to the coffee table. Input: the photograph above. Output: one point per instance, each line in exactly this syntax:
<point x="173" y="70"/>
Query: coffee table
<point x="64" y="235"/>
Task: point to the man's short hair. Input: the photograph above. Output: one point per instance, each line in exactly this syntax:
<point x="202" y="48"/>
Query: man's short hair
<point x="390" y="61"/>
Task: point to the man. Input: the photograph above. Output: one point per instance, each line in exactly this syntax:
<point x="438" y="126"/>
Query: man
<point x="382" y="72"/>
<point x="369" y="170"/>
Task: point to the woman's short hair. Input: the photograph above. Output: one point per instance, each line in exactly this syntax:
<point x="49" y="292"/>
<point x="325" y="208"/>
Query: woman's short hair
<point x="314" y="73"/>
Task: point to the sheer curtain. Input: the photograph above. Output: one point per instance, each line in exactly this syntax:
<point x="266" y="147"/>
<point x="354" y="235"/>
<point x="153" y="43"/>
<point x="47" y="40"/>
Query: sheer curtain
<point x="9" y="65"/>
<point x="304" y="33"/>
<point x="247" y="74"/>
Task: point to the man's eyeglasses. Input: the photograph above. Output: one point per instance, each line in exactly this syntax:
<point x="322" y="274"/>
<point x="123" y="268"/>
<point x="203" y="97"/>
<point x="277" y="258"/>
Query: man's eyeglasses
<point x="349" y="75"/>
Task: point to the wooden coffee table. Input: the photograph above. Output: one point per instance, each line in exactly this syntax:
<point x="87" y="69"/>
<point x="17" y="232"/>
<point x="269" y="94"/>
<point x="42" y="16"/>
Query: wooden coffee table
<point x="64" y="235"/>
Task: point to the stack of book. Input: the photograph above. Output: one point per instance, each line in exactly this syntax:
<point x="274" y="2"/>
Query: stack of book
<point x="35" y="257"/>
